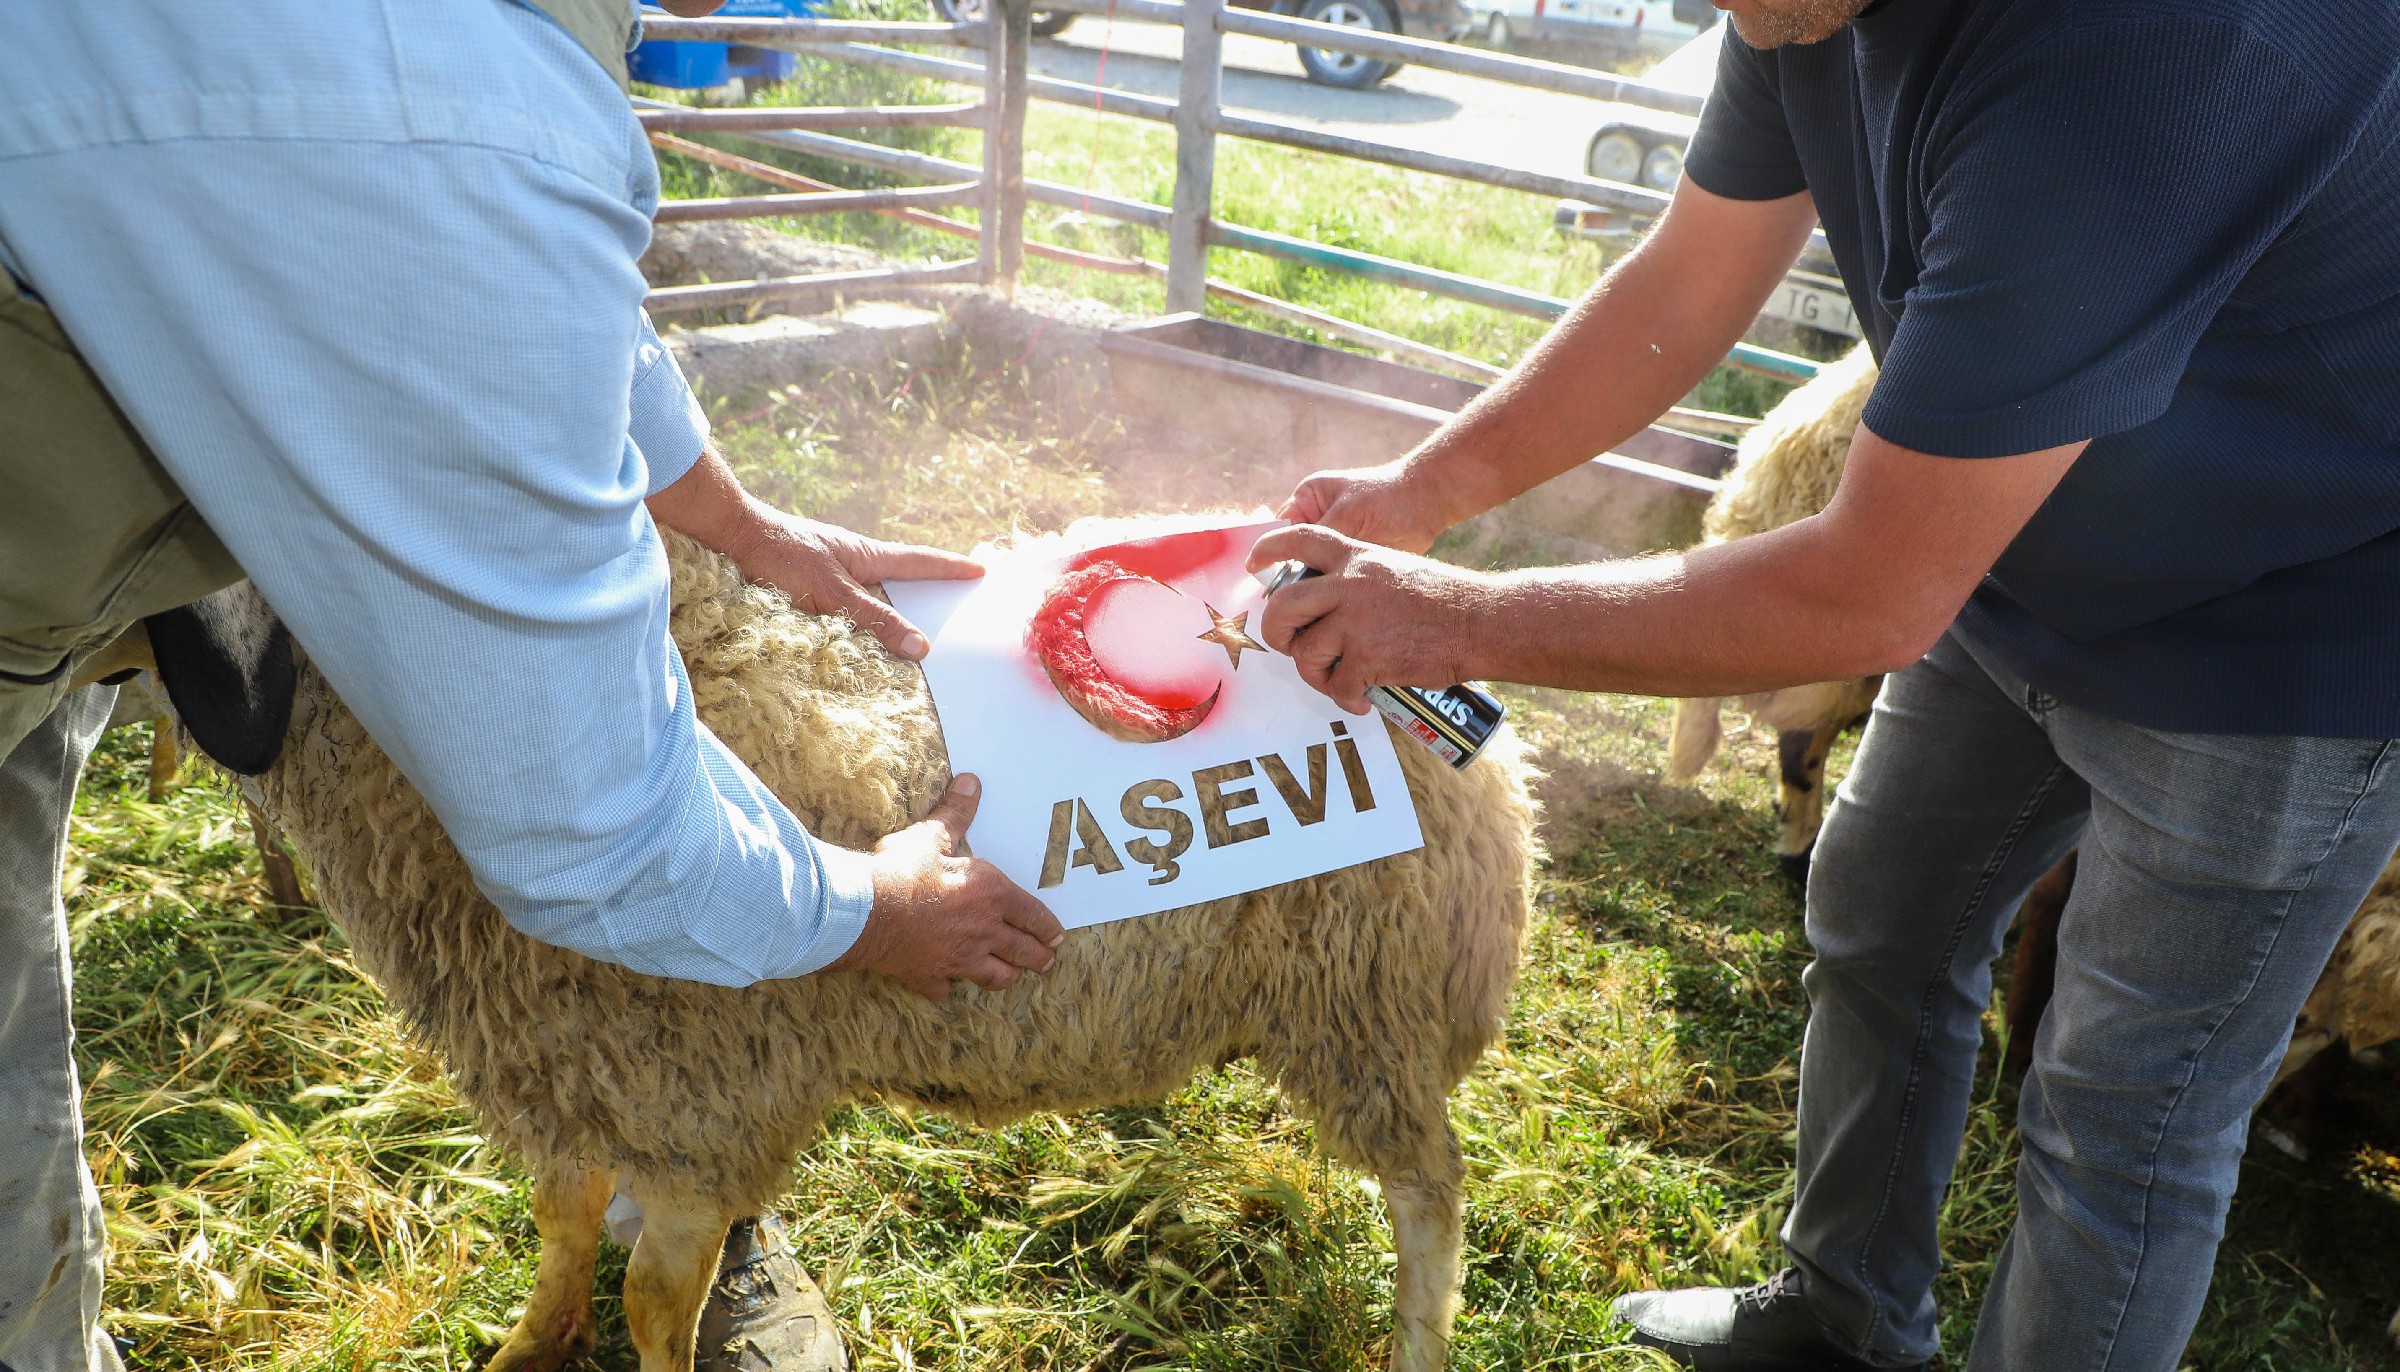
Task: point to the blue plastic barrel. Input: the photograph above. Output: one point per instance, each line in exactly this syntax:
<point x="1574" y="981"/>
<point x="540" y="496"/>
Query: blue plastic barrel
<point x="693" y="66"/>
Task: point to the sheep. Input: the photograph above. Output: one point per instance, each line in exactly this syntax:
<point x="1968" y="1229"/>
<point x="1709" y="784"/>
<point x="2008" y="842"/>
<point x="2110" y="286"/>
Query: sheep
<point x="1787" y="469"/>
<point x="1367" y="993"/>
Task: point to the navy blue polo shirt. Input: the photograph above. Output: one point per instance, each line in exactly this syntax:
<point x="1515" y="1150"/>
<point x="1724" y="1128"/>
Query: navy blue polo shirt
<point x="2168" y="226"/>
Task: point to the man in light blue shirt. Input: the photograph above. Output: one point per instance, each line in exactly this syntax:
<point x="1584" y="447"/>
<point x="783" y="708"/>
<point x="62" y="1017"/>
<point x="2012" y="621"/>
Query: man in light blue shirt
<point x="362" y="275"/>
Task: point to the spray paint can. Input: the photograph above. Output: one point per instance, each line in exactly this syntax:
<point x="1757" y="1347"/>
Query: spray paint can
<point x="1454" y="722"/>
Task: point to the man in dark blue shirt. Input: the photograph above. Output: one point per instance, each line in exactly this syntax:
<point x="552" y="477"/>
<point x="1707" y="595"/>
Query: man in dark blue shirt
<point x="2122" y="520"/>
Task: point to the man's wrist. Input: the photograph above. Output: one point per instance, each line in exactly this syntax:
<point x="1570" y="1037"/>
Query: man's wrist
<point x="869" y="944"/>
<point x="708" y="505"/>
<point x="744" y="531"/>
<point x="1445" y="483"/>
<point x="1494" y="628"/>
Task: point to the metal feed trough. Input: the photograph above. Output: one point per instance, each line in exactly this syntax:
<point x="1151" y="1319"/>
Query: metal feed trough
<point x="1307" y="407"/>
<point x="1232" y="415"/>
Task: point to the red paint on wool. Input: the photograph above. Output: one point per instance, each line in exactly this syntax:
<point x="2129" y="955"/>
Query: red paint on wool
<point x="1149" y="690"/>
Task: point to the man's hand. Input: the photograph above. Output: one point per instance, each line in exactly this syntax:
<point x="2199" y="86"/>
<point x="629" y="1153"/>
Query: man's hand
<point x="940" y="918"/>
<point x="1374" y="617"/>
<point x="824" y="569"/>
<point x="1371" y="504"/>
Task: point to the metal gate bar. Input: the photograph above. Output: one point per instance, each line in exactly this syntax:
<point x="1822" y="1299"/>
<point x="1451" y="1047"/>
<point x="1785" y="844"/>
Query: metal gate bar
<point x="996" y="189"/>
<point x="681" y="119"/>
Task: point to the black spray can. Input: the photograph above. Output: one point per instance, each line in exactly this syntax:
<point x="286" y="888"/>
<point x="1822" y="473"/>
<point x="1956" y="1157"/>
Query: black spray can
<point x="1454" y="722"/>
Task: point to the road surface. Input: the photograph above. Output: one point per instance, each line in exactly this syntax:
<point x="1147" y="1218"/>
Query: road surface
<point x="1434" y="111"/>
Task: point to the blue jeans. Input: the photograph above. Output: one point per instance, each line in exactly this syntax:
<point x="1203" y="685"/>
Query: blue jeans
<point x="2217" y="872"/>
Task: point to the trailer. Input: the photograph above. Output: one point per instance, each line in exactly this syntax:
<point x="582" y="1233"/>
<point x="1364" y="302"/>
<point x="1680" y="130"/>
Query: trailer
<point x="1644" y="147"/>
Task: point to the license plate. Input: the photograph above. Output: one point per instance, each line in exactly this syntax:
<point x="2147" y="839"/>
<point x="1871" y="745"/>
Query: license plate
<point x="1818" y="304"/>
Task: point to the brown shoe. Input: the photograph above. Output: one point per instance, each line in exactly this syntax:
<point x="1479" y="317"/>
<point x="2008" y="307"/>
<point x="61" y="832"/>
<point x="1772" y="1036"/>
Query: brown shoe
<point x="764" y="1314"/>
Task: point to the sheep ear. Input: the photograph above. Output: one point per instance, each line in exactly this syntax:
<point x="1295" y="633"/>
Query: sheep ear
<point x="226" y="662"/>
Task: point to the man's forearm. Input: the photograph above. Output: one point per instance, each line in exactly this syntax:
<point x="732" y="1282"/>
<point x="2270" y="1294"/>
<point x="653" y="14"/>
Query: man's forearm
<point x="1632" y="346"/>
<point x="1738" y="617"/>
<point x="1865" y="586"/>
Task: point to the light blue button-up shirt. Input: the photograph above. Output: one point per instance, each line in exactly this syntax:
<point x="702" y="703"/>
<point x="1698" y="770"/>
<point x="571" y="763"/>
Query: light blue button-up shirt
<point x="363" y="274"/>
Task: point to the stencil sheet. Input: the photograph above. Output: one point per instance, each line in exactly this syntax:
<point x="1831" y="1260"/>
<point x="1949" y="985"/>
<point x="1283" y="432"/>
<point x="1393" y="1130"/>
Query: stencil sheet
<point x="1273" y="783"/>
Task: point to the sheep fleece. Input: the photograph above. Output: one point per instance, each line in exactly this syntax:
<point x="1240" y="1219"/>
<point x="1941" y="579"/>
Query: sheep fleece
<point x="1787" y="469"/>
<point x="1367" y="993"/>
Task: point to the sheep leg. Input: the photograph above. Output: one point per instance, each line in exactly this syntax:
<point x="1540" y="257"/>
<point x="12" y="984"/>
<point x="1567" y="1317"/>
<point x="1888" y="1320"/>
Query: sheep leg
<point x="275" y="861"/>
<point x="1428" y="1231"/>
<point x="1693" y="740"/>
<point x="1800" y="804"/>
<point x="1392" y="1118"/>
<point x="164" y="759"/>
<point x="674" y="1263"/>
<point x="2035" y="970"/>
<point x="2297" y="1114"/>
<point x="557" y="1327"/>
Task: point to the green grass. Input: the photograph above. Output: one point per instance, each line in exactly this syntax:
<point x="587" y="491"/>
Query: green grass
<point x="290" y="1185"/>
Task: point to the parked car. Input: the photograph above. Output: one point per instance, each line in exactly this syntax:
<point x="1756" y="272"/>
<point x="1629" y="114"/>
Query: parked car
<point x="1647" y="25"/>
<point x="1445" y="20"/>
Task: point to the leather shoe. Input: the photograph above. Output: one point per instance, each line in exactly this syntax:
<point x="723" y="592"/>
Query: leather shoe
<point x="763" y="1313"/>
<point x="1764" y="1328"/>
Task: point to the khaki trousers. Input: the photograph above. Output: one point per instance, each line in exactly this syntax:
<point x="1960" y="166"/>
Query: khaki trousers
<point x="52" y="1242"/>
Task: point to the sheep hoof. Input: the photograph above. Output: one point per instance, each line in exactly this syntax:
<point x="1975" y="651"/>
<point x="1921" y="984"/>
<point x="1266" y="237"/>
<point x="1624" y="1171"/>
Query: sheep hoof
<point x="530" y="1350"/>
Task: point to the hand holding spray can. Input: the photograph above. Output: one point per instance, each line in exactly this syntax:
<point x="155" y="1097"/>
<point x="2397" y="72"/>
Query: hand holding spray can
<point x="1453" y="721"/>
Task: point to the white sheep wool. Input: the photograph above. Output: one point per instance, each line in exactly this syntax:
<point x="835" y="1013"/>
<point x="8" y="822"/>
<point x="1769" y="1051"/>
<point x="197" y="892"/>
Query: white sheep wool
<point x="1139" y="750"/>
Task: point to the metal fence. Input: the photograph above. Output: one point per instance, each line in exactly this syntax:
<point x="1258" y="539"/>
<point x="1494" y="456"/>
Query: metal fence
<point x="1000" y="189"/>
<point x="996" y="189"/>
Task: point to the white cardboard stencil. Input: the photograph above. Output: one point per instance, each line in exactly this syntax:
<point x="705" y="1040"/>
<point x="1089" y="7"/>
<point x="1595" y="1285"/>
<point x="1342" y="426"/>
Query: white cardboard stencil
<point x="1003" y="720"/>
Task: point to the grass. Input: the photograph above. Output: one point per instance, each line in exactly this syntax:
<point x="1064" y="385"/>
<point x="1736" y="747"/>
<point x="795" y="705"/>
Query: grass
<point x="291" y="1185"/>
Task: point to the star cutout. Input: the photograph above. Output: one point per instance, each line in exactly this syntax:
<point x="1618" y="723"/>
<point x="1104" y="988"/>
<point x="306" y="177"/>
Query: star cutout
<point x="1232" y="633"/>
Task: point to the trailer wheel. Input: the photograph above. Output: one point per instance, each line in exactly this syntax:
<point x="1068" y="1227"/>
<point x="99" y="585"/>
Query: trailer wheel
<point x="1663" y="167"/>
<point x="1616" y="155"/>
<point x="1347" y="70"/>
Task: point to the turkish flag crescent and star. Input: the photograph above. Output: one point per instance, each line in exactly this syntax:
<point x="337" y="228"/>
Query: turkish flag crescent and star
<point x="1140" y="750"/>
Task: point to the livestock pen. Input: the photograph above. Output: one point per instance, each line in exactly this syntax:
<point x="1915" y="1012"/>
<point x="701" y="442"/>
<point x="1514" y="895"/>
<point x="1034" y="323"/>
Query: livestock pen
<point x="290" y="1184"/>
